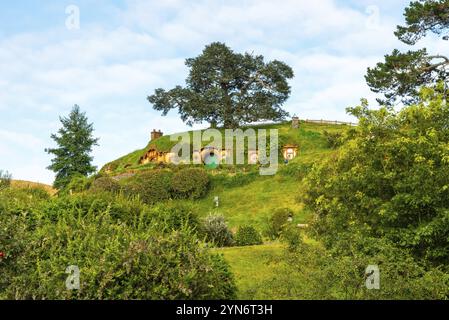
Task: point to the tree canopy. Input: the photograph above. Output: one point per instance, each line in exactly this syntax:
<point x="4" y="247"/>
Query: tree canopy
<point x="402" y="74"/>
<point x="75" y="142"/>
<point x="228" y="88"/>
<point x="390" y="180"/>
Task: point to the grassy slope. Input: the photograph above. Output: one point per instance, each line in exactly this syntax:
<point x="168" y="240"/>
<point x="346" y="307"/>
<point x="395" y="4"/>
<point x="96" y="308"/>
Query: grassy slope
<point x="28" y="184"/>
<point x="308" y="137"/>
<point x="254" y="203"/>
<point x="252" y="266"/>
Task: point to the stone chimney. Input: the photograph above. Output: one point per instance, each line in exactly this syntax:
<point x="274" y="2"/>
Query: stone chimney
<point x="156" y="134"/>
<point x="295" y="122"/>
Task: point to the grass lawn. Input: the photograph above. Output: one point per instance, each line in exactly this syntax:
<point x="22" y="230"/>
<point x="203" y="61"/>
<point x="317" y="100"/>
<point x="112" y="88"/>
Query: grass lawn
<point x="254" y="203"/>
<point x="252" y="266"/>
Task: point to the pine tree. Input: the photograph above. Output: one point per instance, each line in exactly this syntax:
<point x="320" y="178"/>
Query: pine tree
<point x="402" y="74"/>
<point x="75" y="142"/>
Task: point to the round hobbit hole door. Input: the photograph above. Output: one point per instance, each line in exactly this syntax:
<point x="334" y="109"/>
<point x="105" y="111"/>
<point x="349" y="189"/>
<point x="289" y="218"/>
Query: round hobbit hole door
<point x="211" y="160"/>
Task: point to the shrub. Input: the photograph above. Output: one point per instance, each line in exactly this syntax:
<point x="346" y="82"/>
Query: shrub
<point x="169" y="217"/>
<point x="278" y="221"/>
<point x="5" y="179"/>
<point x="78" y="184"/>
<point x="390" y="180"/>
<point x="293" y="236"/>
<point x="333" y="139"/>
<point x="152" y="186"/>
<point x="295" y="170"/>
<point x="105" y="184"/>
<point x="313" y="272"/>
<point x="190" y="183"/>
<point x="247" y="236"/>
<point x="216" y="231"/>
<point x="121" y="208"/>
<point x="117" y="260"/>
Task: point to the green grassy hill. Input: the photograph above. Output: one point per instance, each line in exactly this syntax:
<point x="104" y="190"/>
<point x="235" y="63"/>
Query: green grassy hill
<point x="309" y="137"/>
<point x="252" y="199"/>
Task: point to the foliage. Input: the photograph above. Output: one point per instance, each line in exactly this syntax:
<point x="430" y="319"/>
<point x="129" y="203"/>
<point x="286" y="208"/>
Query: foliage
<point x="5" y="179"/>
<point x="295" y="170"/>
<point x="278" y="221"/>
<point x="391" y="181"/>
<point x="78" y="183"/>
<point x="334" y="139"/>
<point x="174" y="216"/>
<point x="313" y="272"/>
<point x="228" y="88"/>
<point x="401" y="75"/>
<point x="422" y="17"/>
<point x="190" y="183"/>
<point x="152" y="186"/>
<point x="105" y="184"/>
<point x="247" y="236"/>
<point x="121" y="255"/>
<point x="75" y="142"/>
<point x="217" y="232"/>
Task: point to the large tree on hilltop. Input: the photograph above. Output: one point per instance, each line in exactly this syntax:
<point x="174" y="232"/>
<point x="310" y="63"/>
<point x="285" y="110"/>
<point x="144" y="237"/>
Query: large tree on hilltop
<point x="228" y="88"/>
<point x="75" y="142"/>
<point x="401" y="75"/>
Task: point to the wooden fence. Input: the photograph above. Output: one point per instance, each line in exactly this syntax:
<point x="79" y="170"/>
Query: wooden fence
<point x="330" y="122"/>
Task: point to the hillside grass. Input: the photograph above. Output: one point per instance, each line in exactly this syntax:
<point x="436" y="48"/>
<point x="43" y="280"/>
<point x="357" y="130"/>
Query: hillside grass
<point x="254" y="203"/>
<point x="252" y="199"/>
<point x="252" y="266"/>
<point x="309" y="137"/>
<point x="21" y="184"/>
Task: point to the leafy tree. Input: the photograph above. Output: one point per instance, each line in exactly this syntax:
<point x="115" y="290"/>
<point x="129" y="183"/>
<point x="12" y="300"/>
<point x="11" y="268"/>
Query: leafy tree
<point x="224" y="87"/>
<point x="75" y="142"/>
<point x="390" y="181"/>
<point x="401" y="75"/>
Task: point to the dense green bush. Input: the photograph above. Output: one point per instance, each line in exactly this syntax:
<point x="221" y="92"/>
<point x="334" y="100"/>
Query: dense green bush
<point x="105" y="184"/>
<point x="247" y="236"/>
<point x="333" y="139"/>
<point x="174" y="216"/>
<point x="216" y="231"/>
<point x="313" y="272"/>
<point x="152" y="186"/>
<point x="278" y="221"/>
<point x="5" y="179"/>
<point x="190" y="183"/>
<point x="390" y="181"/>
<point x="77" y="184"/>
<point x="295" y="170"/>
<point x="121" y="254"/>
<point x="121" y="208"/>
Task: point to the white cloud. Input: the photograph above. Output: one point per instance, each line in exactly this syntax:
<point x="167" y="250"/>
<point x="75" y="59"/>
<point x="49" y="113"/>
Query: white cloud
<point x="109" y="71"/>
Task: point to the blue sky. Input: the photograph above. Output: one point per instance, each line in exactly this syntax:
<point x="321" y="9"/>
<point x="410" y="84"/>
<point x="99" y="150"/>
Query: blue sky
<point x="124" y="49"/>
